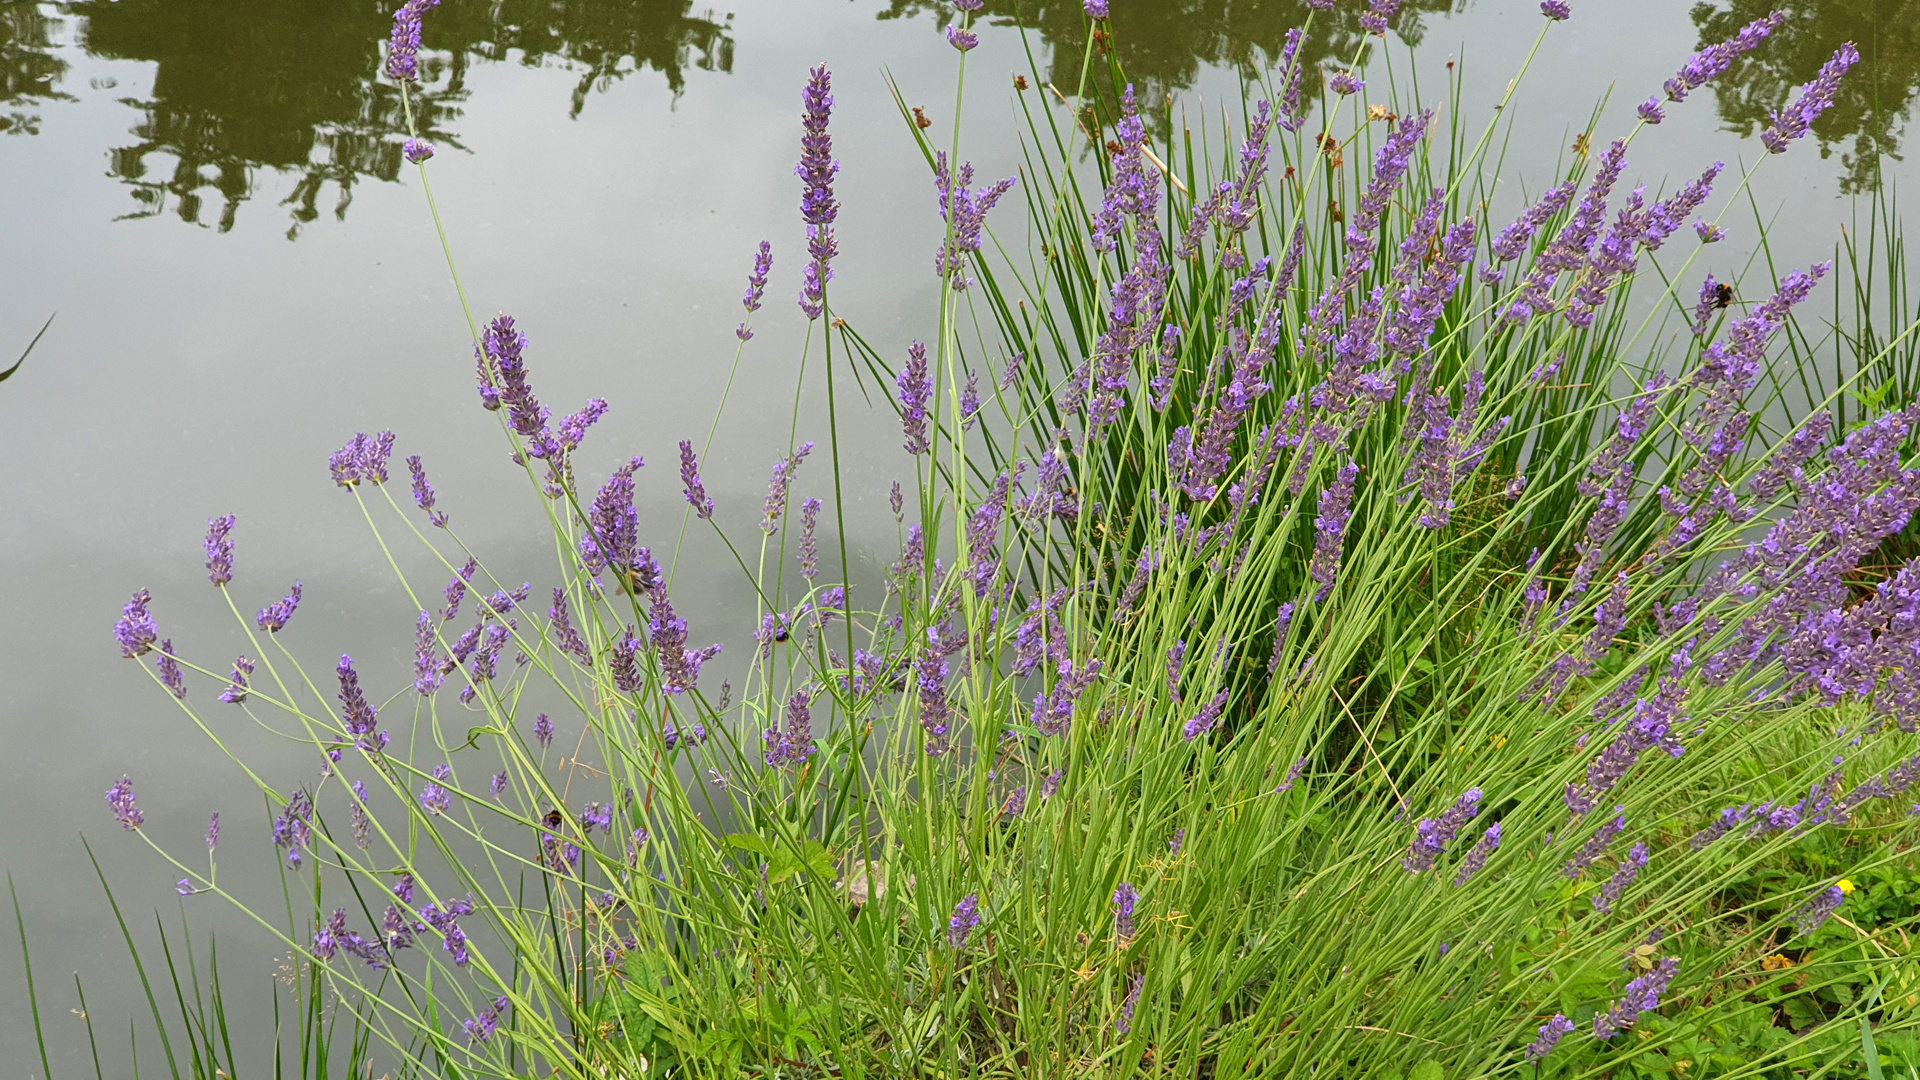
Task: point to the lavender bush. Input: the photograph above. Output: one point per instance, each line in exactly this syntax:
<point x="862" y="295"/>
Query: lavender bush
<point x="1319" y="646"/>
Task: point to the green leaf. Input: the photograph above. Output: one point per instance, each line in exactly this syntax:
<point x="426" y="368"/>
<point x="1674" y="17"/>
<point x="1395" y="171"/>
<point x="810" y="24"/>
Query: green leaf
<point x="750" y="842"/>
<point x="1868" y="1050"/>
<point x="1427" y="1070"/>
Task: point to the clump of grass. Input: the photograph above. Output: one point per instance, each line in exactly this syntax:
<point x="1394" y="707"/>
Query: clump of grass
<point x="1315" y="645"/>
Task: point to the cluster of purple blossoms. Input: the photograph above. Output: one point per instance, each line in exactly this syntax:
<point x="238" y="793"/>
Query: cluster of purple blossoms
<point x="1293" y="777"/>
<point x="485" y="1021"/>
<point x="1124" y="1022"/>
<point x="1716" y="59"/>
<point x="1551" y="1033"/>
<point x="435" y="799"/>
<point x="1596" y="844"/>
<point x="1204" y="720"/>
<point x="962" y="39"/>
<point x="1175" y="842"/>
<point x="1569" y="249"/>
<point x="1293" y="112"/>
<point x="965" y="213"/>
<point x="779" y="484"/>
<point x="1815" y="98"/>
<point x="623" y="661"/>
<point x="756" y="286"/>
<point x="930" y="681"/>
<point x="416" y="151"/>
<point x="452" y="938"/>
<point x="816" y="170"/>
<point x="1653" y="724"/>
<point x="354" y="711"/>
<point x="236" y="691"/>
<point x="220" y="550"/>
<point x="694" y="487"/>
<point x="423" y="492"/>
<point x="679" y="665"/>
<point x="1095" y="9"/>
<point x="916" y="392"/>
<point x="363" y="458"/>
<point x="1374" y="19"/>
<point x="543" y="731"/>
<point x="1053" y="710"/>
<point x="120" y="799"/>
<point x="1512" y="241"/>
<point x="403" y="43"/>
<point x="1488" y="843"/>
<point x="1811" y="915"/>
<point x="809" y="547"/>
<point x="1137" y="301"/>
<point x="136" y="630"/>
<point x="794" y="745"/>
<point x="357" y="820"/>
<point x="561" y="630"/>
<point x="1558" y="11"/>
<point x="1330" y="528"/>
<point x="1124" y="897"/>
<point x="966" y="916"/>
<point x="169" y="668"/>
<point x="1345" y="83"/>
<point x="1447" y="452"/>
<point x="293" y="828"/>
<point x="1434" y="834"/>
<point x="1623" y="876"/>
<point x="1642" y="996"/>
<point x="334" y="937"/>
<point x="275" y="615"/>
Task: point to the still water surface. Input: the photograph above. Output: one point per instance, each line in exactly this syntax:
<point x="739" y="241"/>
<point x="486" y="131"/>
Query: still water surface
<point x="210" y="193"/>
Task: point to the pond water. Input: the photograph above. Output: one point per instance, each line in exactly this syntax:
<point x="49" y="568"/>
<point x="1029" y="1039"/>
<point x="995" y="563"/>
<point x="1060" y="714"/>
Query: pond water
<point x="210" y="194"/>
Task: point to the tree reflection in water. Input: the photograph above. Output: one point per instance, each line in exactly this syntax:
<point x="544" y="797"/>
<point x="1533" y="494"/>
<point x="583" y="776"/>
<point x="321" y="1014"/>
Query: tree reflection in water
<point x="1872" y="106"/>
<point x="30" y="69"/>
<point x="295" y="86"/>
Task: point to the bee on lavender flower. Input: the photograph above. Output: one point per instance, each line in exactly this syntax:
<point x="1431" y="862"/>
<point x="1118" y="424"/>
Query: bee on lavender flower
<point x="1722" y="296"/>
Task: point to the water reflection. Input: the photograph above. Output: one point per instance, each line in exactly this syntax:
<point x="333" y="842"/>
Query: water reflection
<point x="1161" y="46"/>
<point x="291" y="85"/>
<point x="29" y="68"/>
<point x="1871" y="109"/>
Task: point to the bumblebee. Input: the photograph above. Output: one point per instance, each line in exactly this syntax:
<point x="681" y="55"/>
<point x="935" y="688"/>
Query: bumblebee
<point x="555" y="818"/>
<point x="1722" y="296"/>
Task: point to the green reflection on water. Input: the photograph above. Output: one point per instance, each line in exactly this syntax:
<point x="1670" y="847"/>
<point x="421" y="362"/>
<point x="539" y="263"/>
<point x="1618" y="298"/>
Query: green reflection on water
<point x="293" y="86"/>
<point x="1871" y="108"/>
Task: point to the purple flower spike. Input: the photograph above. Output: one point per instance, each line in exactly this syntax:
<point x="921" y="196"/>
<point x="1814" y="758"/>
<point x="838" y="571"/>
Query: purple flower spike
<point x="220" y="550"/>
<point x="169" y="669"/>
<point x="756" y="286"/>
<point x="794" y="745"/>
<point x="363" y="458"/>
<point x="778" y="485"/>
<point x="1123" y="900"/>
<point x="1551" y="1031"/>
<point x="1709" y="233"/>
<point x="965" y="213"/>
<point x="1630" y="868"/>
<point x="423" y="492"/>
<point x="213" y="832"/>
<point x="916" y="391"/>
<point x="120" y="800"/>
<point x="1204" y="720"/>
<point x="1344" y="83"/>
<point x="696" y="490"/>
<point x="403" y="44"/>
<point x="1815" y="98"/>
<point x="1477" y="858"/>
<point x="1095" y="9"/>
<point x="354" y="710"/>
<point x="417" y="151"/>
<point x="1330" y="529"/>
<point x="136" y="631"/>
<point x="1816" y="911"/>
<point x="1716" y="59"/>
<point x="1642" y="996"/>
<point x="543" y="731"/>
<point x="1558" y="11"/>
<point x="809" y="548"/>
<point x="1124" y="1022"/>
<point x="236" y="691"/>
<point x="274" y="616"/>
<point x="966" y="916"/>
<point x="1374" y="19"/>
<point x="816" y="171"/>
<point x="963" y="40"/>
<point x="1434" y="834"/>
<point x="1650" y="111"/>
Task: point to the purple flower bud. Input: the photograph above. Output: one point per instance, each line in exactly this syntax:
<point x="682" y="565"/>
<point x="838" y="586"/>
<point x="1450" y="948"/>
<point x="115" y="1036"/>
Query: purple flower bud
<point x="1095" y="9"/>
<point x="1642" y="996"/>
<point x="1434" y="834"/>
<point x="916" y="391"/>
<point x="236" y="691"/>
<point x="1344" y="83"/>
<point x="816" y="171"/>
<point x="120" y="800"/>
<point x="778" y="486"/>
<point x="1552" y="1030"/>
<point x="136" y="631"/>
<point x="423" y="492"/>
<point x="543" y="731"/>
<point x="434" y="799"/>
<point x="417" y="150"/>
<point x="1709" y="234"/>
<point x="1815" y="98"/>
<point x="966" y="916"/>
<point x="756" y="285"/>
<point x="354" y="710"/>
<point x="960" y="39"/>
<point x="1629" y="869"/>
<point x="1330" y="528"/>
<point x="1124" y="1022"/>
<point x="809" y="550"/>
<point x="403" y="43"/>
<point x="213" y="832"/>
<point x="1814" y="913"/>
<point x="1650" y="111"/>
<point x="1558" y="11"/>
<point x="1477" y="858"/>
<point x="220" y="550"/>
<point x="169" y="668"/>
<point x="1123" y="900"/>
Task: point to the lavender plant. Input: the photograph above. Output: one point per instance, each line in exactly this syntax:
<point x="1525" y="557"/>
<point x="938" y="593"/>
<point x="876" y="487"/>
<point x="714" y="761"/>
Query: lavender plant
<point x="1261" y="574"/>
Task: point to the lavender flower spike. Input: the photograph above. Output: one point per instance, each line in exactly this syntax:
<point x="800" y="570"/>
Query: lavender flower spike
<point x="1434" y="834"/>
<point x="220" y="550"/>
<point x="1558" y="11"/>
<point x="756" y="286"/>
<point x="817" y="206"/>
<point x="423" y="492"/>
<point x="1550" y="1032"/>
<point x="916" y="391"/>
<point x="1815" y="98"/>
<point x="120" y="799"/>
<point x="1716" y="59"/>
<point x="403" y="44"/>
<point x="236" y="691"/>
<point x="1095" y="9"/>
<point x="136" y="631"/>
<point x="1124" y="898"/>
<point x="1642" y="996"/>
<point x="1477" y="858"/>
<point x="966" y="916"/>
<point x="1330" y="529"/>
<point x="1816" y="911"/>
<point x="778" y="486"/>
<point x="169" y="668"/>
<point x="274" y="616"/>
<point x="416" y="151"/>
<point x="696" y="490"/>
